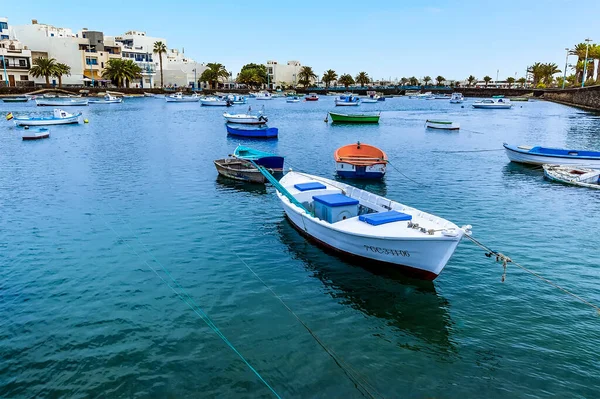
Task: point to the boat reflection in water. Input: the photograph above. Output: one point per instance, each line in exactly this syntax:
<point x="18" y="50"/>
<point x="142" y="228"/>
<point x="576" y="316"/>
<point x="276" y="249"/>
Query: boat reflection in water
<point x="224" y="185"/>
<point x="407" y="306"/>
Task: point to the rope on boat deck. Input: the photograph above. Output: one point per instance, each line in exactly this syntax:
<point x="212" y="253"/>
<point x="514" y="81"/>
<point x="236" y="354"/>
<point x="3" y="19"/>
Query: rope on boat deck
<point x="360" y="382"/>
<point x="500" y="257"/>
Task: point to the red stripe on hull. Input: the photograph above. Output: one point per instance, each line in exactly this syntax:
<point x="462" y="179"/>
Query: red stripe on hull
<point x="357" y="259"/>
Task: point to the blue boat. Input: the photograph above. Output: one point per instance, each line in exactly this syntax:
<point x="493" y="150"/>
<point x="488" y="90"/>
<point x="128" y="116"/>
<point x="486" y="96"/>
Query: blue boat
<point x="255" y="132"/>
<point x="553" y="156"/>
<point x="266" y="159"/>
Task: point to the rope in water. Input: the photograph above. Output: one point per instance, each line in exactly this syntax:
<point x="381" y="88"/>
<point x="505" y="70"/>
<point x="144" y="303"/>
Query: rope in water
<point x="359" y="381"/>
<point x="506" y="260"/>
<point x="471" y="131"/>
<point x="456" y="152"/>
<point x="187" y="299"/>
<point x="412" y="180"/>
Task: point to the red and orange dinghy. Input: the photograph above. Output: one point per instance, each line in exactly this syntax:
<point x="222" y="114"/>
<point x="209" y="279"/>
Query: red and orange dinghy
<point x="360" y="161"/>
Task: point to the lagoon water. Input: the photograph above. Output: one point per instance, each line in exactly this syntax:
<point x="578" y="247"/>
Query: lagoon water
<point x="90" y="217"/>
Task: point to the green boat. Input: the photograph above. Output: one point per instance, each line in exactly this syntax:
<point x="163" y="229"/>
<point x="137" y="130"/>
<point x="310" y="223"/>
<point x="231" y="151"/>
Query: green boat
<point x="519" y="99"/>
<point x="498" y="96"/>
<point x="354" y="118"/>
<point x="15" y="99"/>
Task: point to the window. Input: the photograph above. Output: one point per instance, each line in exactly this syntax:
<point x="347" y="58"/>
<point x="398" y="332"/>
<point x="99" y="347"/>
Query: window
<point x="22" y="63"/>
<point x="24" y="77"/>
<point x="99" y="41"/>
<point x="91" y="61"/>
<point x="102" y="64"/>
<point x="3" y="25"/>
<point x="51" y="34"/>
<point x="2" y="37"/>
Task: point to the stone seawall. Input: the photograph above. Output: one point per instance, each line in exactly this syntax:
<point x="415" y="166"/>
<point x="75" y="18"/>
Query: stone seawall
<point x="587" y="97"/>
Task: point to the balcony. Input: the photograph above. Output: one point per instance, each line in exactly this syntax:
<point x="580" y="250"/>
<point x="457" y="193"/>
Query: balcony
<point x="15" y="64"/>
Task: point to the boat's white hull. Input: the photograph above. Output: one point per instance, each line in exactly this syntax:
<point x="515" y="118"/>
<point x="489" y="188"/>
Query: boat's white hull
<point x="492" y="106"/>
<point x="115" y="101"/>
<point x="213" y="103"/>
<point x="245" y="121"/>
<point x="264" y="98"/>
<point x="36" y="134"/>
<point x="588" y="178"/>
<point x="181" y="100"/>
<point x="48" y="122"/>
<point x="456" y="101"/>
<point x="61" y="103"/>
<point x="443" y="126"/>
<point x="368" y="101"/>
<point x="533" y="159"/>
<point x="292" y="101"/>
<point x="346" y="104"/>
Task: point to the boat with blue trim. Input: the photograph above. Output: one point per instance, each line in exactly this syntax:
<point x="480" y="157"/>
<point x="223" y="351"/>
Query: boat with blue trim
<point x="368" y="228"/>
<point x="360" y="161"/>
<point x="555" y="156"/>
<point x="35" y="134"/>
<point x="493" y="103"/>
<point x="59" y="117"/>
<point x="253" y="131"/>
<point x="266" y="159"/>
<point x="347" y="100"/>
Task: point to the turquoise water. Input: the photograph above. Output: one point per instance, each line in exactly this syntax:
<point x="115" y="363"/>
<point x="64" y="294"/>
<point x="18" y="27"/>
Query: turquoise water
<point x="87" y="215"/>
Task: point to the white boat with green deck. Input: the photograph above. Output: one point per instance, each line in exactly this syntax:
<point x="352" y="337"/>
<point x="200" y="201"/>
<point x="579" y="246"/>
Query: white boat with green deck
<point x="443" y="125"/>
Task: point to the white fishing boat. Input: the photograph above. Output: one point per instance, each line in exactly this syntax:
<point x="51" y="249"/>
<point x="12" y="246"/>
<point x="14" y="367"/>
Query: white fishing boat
<point x="554" y="156"/>
<point x="107" y="99"/>
<point x="63" y="102"/>
<point x="368" y="227"/>
<point x="180" y="98"/>
<point x="421" y="95"/>
<point x="246" y="119"/>
<point x="457" y="98"/>
<point x="442" y="125"/>
<point x="368" y="100"/>
<point x="493" y="103"/>
<point x="35" y="134"/>
<point x="293" y="99"/>
<point x="347" y="100"/>
<point x="149" y="94"/>
<point x="59" y="117"/>
<point x="574" y="175"/>
<point x="237" y="100"/>
<point x="264" y="95"/>
<point x="442" y="97"/>
<point x="216" y="101"/>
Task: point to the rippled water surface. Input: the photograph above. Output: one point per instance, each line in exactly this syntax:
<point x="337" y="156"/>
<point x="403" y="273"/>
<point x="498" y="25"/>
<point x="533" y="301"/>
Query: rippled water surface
<point x="93" y="218"/>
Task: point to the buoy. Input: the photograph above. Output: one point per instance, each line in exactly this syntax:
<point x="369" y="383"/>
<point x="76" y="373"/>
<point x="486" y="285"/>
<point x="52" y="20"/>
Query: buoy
<point x="9" y="116"/>
<point x="462" y="106"/>
<point x="85" y="121"/>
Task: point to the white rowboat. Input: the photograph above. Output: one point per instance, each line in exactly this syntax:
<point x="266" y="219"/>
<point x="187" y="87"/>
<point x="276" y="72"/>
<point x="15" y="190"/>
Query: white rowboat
<point x="36" y="134"/>
<point x="442" y="125"/>
<point x="59" y="117"/>
<point x="180" y="98"/>
<point x="553" y="156"/>
<point x="577" y="176"/>
<point x="368" y="227"/>
<point x="246" y="119"/>
<point x="493" y="103"/>
<point x="62" y="102"/>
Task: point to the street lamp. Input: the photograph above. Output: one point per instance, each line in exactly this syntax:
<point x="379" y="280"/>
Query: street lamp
<point x="565" y="74"/>
<point x="587" y="45"/>
<point x="194" y="85"/>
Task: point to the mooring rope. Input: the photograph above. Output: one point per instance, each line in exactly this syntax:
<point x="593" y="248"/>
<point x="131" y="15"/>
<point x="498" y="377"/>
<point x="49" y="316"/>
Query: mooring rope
<point x="412" y="180"/>
<point x="359" y="381"/>
<point x="456" y="152"/>
<point x="187" y="299"/>
<point x="500" y="257"/>
<point x="471" y="131"/>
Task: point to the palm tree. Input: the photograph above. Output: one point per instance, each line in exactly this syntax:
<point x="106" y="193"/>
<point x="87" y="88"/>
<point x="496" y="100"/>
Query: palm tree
<point x="548" y="72"/>
<point x="487" y="80"/>
<point x="426" y="80"/>
<point x="510" y="80"/>
<point x="362" y="78"/>
<point x="403" y="81"/>
<point x="121" y="71"/>
<point x="440" y="80"/>
<point x="60" y="70"/>
<point x="45" y="67"/>
<point x="413" y="81"/>
<point x="471" y="79"/>
<point x="580" y="51"/>
<point x="346" y="80"/>
<point x="522" y="82"/>
<point x="305" y="75"/>
<point x="160" y="48"/>
<point x="329" y="76"/>
<point x="214" y="73"/>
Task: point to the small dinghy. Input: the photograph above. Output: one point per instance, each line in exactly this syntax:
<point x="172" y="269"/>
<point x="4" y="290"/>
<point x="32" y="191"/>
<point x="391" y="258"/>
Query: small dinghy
<point x="15" y="99"/>
<point x="442" y="125"/>
<point x="493" y="103"/>
<point x="294" y="99"/>
<point x="180" y="98"/>
<point x="367" y="227"/>
<point x="149" y="95"/>
<point x="311" y="97"/>
<point x="246" y="119"/>
<point x="577" y="176"/>
<point x="360" y="161"/>
<point x="35" y="134"/>
<point x="353" y="118"/>
<point x="63" y="102"/>
<point x="457" y="98"/>
<point x="553" y="156"/>
<point x="239" y="169"/>
<point x="237" y="100"/>
<point x="347" y="100"/>
<point x="263" y="95"/>
<point x="59" y="117"/>
<point x="107" y="99"/>
<point x="216" y="102"/>
<point x="265" y="159"/>
<point x="256" y="132"/>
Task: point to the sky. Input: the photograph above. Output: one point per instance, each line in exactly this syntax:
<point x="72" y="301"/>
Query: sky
<point x="386" y="39"/>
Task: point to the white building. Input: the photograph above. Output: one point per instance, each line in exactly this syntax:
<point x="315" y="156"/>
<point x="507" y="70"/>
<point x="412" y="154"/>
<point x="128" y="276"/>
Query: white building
<point x="179" y="70"/>
<point x="15" y="62"/>
<point x="140" y="48"/>
<point x="4" y="28"/>
<point x="282" y="74"/>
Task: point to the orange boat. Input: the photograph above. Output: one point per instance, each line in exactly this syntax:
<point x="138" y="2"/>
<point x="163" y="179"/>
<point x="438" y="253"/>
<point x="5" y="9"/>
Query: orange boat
<point x="360" y="161"/>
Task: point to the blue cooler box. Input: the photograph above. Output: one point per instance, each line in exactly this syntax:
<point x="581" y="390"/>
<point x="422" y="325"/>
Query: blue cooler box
<point x="335" y="207"/>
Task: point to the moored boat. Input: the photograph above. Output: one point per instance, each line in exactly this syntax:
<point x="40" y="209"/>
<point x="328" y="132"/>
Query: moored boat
<point x="554" y="156"/>
<point x="63" y="102"/>
<point x="360" y="161"/>
<point x="180" y="98"/>
<point x="519" y="99"/>
<point x="457" y="98"/>
<point x="107" y="99"/>
<point x="239" y="169"/>
<point x="353" y="118"/>
<point x="257" y="131"/>
<point x="367" y="227"/>
<point x="216" y="102"/>
<point x="442" y="97"/>
<point x="35" y="134"/>
<point x="574" y="175"/>
<point x="15" y="99"/>
<point x="237" y="100"/>
<point x="493" y="103"/>
<point x="442" y="125"/>
<point x="270" y="161"/>
<point x="347" y="100"/>
<point x="59" y="117"/>
<point x="149" y="95"/>
<point x="293" y="99"/>
<point x="264" y="95"/>
<point x="311" y="97"/>
<point x="245" y="119"/>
